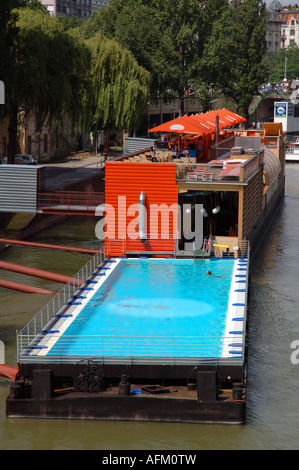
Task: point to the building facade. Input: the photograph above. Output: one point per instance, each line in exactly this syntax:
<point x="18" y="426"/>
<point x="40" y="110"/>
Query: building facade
<point x="283" y="27"/>
<point x="274" y="30"/>
<point x="289" y="28"/>
<point x="81" y="9"/>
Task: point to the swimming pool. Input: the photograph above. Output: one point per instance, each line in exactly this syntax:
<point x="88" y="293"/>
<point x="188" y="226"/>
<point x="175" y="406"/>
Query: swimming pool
<point x="153" y="308"/>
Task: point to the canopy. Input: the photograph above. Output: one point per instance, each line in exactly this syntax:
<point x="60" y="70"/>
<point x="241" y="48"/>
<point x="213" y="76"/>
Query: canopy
<point x="229" y="116"/>
<point x="200" y="124"/>
<point x="226" y="118"/>
<point x="182" y="125"/>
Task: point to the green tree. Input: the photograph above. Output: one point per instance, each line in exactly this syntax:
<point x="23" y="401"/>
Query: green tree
<point x="235" y="54"/>
<point x="118" y="88"/>
<point x="32" y="4"/>
<point x="8" y="29"/>
<point x="167" y="38"/>
<point x="47" y="71"/>
<point x="278" y="62"/>
<point x="5" y="11"/>
<point x="133" y="25"/>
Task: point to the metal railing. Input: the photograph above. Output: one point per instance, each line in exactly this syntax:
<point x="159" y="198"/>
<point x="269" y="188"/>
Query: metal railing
<point x="132" y="349"/>
<point x="229" y="247"/>
<point x="70" y="199"/>
<point x="58" y="303"/>
<point x="219" y="248"/>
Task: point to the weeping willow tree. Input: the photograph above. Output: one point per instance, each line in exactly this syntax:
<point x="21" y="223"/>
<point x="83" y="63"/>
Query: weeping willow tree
<point x="47" y="72"/>
<point x="118" y="88"/>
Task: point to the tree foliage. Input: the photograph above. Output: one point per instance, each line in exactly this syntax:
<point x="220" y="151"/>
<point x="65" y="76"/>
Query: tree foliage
<point x="167" y="38"/>
<point x="52" y="71"/>
<point x="47" y="70"/>
<point x="235" y="54"/>
<point x="101" y="71"/>
<point x="277" y="64"/>
<point x="118" y="90"/>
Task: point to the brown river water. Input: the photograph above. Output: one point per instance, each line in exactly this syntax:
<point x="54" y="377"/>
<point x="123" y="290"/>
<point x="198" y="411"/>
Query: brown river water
<point x="273" y="379"/>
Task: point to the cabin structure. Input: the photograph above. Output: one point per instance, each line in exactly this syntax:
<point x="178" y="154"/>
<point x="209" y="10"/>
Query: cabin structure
<point x="236" y="185"/>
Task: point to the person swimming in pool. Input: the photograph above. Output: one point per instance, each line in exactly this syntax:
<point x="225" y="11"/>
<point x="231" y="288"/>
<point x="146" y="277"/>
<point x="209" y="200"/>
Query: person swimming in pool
<point x="209" y="273"/>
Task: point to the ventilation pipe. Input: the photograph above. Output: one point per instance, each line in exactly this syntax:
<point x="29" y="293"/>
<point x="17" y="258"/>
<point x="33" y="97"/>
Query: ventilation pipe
<point x="142" y="218"/>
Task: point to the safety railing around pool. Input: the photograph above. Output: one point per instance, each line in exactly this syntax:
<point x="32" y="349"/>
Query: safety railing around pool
<point x="53" y="348"/>
<point x="228" y="247"/>
<point x="58" y="302"/>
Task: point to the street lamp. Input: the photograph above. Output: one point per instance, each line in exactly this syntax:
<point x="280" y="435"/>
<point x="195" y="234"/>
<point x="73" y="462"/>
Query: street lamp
<point x="285" y="65"/>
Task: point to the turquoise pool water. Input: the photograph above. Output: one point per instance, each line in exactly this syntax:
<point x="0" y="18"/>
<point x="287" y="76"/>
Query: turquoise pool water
<point x="152" y="307"/>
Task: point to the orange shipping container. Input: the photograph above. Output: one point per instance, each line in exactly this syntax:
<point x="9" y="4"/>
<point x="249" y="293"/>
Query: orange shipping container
<point x="124" y="181"/>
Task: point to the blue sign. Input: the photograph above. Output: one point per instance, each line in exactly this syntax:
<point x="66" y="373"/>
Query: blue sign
<point x="280" y="110"/>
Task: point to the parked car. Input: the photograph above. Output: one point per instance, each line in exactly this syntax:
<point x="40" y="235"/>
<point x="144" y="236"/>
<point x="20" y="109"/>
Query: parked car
<point x="25" y="159"/>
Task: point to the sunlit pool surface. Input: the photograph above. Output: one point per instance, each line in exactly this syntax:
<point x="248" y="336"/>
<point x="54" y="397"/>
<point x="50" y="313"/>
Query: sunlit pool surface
<point x="152" y="307"/>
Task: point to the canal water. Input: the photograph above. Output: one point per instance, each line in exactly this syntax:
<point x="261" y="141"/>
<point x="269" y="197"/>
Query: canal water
<point x="273" y="377"/>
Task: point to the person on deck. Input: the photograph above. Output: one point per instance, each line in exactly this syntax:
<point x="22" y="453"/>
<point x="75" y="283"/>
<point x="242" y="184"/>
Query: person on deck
<point x="200" y="147"/>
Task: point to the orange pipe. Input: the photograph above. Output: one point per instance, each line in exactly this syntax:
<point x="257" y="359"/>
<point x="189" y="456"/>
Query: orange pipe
<point x="8" y="371"/>
<point x="18" y="268"/>
<point x="46" y="245"/>
<point x="24" y="288"/>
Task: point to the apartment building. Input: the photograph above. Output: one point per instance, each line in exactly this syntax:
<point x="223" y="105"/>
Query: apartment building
<point x="290" y="28"/>
<point x="81" y="9"/>
<point x="283" y="27"/>
<point x="273" y="34"/>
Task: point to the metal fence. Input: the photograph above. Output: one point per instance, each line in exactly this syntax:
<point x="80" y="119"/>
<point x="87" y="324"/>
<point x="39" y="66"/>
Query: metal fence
<point x="70" y="199"/>
<point x="229" y="247"/>
<point x="53" y="348"/>
<point x="59" y="302"/>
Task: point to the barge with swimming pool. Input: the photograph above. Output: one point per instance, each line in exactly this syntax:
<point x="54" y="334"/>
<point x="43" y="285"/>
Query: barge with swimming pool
<point x="154" y="327"/>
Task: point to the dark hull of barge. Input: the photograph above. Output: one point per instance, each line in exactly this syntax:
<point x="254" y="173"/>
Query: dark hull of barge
<point x="199" y="394"/>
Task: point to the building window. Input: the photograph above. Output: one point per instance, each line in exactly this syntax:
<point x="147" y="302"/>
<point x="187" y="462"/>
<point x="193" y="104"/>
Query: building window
<point x="292" y="32"/>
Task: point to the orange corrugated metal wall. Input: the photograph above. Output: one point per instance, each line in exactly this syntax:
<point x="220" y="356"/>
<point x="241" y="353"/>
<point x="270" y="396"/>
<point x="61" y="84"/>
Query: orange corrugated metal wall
<point x="123" y="185"/>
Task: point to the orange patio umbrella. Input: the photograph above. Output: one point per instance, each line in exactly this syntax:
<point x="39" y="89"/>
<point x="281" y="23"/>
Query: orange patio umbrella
<point x="182" y="125"/>
<point x="226" y="119"/>
<point x="229" y="116"/>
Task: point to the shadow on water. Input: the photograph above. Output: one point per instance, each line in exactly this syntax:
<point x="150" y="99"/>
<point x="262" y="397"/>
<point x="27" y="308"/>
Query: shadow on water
<point x="272" y="411"/>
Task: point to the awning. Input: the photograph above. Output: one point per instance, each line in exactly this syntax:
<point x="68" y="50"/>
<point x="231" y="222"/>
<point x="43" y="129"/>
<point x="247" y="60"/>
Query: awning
<point x="231" y="117"/>
<point x="182" y="125"/>
<point x="227" y="119"/>
<point x="200" y="124"/>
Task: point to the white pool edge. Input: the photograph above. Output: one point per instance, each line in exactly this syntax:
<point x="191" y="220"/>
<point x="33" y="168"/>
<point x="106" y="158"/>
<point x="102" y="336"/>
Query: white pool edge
<point x="234" y="335"/>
